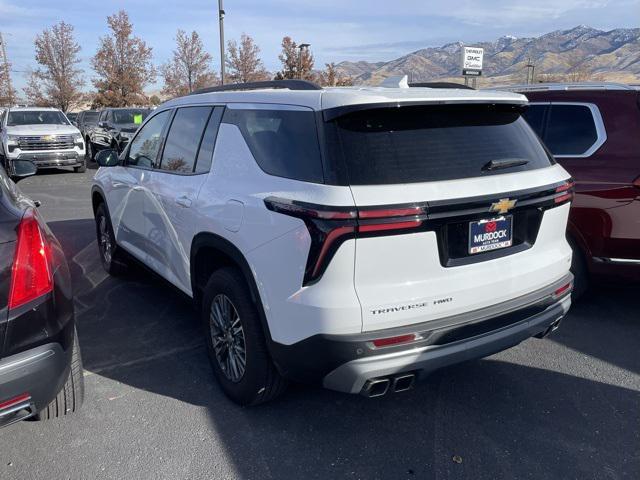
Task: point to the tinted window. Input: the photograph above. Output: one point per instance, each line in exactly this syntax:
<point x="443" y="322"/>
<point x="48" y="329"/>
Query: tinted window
<point x="571" y="130"/>
<point x="90" y="117"/>
<point x="205" y="154"/>
<point x="430" y="143"/>
<point x="130" y="115"/>
<point x="183" y="139"/>
<point x="144" y="148"/>
<point x="283" y="142"/>
<point x="36" y="117"/>
<point x="534" y="115"/>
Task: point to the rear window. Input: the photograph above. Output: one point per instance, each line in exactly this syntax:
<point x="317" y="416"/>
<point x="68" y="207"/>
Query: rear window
<point x="283" y="142"/>
<point x="435" y="143"/>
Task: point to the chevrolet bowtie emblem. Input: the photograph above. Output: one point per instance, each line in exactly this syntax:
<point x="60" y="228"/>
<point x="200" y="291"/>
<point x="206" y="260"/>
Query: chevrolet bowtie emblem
<point x="48" y="138"/>
<point x="503" y="206"/>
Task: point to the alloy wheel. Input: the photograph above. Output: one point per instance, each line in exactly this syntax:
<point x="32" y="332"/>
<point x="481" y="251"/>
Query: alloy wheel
<point x="105" y="239"/>
<point x="227" y="336"/>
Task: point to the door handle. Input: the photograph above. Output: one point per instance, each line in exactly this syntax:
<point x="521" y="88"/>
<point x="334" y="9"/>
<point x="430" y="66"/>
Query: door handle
<point x="184" y="201"/>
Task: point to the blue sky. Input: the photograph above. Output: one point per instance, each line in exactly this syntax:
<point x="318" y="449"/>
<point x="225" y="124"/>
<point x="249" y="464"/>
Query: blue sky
<point x="338" y="30"/>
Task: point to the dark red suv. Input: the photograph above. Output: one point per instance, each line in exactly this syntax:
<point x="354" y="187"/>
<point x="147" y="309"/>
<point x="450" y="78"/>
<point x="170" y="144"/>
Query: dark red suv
<point x="593" y="130"/>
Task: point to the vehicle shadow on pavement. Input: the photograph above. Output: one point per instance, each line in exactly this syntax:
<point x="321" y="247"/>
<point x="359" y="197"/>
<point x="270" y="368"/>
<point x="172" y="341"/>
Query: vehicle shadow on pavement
<point x="486" y="419"/>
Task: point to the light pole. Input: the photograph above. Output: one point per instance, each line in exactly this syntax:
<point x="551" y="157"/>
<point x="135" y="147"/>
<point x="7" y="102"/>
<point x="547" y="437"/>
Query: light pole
<point x="221" y="22"/>
<point x="300" y="47"/>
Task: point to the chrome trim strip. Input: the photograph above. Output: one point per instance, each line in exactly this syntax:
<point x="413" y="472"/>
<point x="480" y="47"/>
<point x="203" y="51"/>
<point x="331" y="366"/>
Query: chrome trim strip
<point x="627" y="261"/>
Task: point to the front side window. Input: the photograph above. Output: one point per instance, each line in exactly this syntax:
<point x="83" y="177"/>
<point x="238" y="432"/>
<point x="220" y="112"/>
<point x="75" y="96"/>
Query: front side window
<point x="571" y="130"/>
<point x="36" y="117"/>
<point x="183" y="139"/>
<point x="145" y="147"/>
<point x="284" y="143"/>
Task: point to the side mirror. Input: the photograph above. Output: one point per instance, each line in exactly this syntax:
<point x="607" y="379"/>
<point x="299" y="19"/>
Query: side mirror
<point x="103" y="124"/>
<point x="23" y="169"/>
<point x="107" y="158"/>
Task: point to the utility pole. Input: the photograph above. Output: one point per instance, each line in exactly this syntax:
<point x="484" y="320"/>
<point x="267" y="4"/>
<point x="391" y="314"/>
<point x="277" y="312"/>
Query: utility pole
<point x="300" y="47"/>
<point x="6" y="89"/>
<point x="222" y="56"/>
<point x="531" y="71"/>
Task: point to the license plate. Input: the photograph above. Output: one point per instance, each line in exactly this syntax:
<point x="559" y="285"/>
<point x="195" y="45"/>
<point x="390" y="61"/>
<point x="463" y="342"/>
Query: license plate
<point x="490" y="234"/>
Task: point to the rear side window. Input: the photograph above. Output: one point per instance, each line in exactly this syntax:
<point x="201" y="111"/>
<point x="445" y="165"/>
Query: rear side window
<point x="205" y="154"/>
<point x="435" y="143"/>
<point x="571" y="130"/>
<point x="284" y="143"/>
<point x="184" y="138"/>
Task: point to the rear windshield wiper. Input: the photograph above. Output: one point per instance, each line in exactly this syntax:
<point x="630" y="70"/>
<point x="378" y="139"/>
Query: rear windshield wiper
<point x="504" y="163"/>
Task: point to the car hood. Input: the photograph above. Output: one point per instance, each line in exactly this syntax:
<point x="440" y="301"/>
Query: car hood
<point x="42" y="130"/>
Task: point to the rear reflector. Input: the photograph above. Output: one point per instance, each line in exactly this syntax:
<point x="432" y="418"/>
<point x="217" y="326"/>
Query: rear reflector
<point x="31" y="273"/>
<point x="389" y="341"/>
<point x="563" y="290"/>
<point x="14" y="401"/>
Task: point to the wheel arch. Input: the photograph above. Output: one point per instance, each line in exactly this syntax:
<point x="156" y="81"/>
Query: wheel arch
<point x="210" y="252"/>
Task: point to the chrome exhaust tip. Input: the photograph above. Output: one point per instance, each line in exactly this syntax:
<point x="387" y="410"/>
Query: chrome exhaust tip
<point x="376" y="387"/>
<point x="402" y="383"/>
<point x="552" y="328"/>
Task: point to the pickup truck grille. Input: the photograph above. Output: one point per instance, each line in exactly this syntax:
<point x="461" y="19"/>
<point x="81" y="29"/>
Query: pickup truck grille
<point x="46" y="142"/>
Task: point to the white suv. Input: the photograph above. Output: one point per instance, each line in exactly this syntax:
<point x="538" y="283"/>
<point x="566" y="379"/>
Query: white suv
<point x="355" y="237"/>
<point x="44" y="136"/>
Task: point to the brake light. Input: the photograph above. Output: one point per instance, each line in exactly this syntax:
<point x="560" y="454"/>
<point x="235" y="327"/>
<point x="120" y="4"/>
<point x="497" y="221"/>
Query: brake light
<point x="390" y="341"/>
<point x="566" y="191"/>
<point x="31" y="275"/>
<point x="329" y="227"/>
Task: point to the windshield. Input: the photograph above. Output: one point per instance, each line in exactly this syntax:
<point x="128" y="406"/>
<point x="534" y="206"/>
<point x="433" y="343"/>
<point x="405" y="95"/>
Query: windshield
<point x="36" y="117"/>
<point x="434" y="143"/>
<point x="133" y="115"/>
<point x="90" y="117"/>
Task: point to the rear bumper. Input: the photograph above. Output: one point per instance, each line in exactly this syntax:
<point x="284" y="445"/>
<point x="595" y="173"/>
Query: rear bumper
<point x="38" y="373"/>
<point x="346" y="362"/>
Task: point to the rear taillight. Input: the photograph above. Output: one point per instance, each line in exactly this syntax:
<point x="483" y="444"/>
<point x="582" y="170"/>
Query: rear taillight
<point x="31" y="275"/>
<point x="329" y="227"/>
<point x="564" y="193"/>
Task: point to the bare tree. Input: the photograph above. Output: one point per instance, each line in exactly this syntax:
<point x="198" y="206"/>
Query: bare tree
<point x="189" y="69"/>
<point x="243" y="61"/>
<point x="296" y="63"/>
<point x="331" y="77"/>
<point x="7" y="92"/>
<point x="57" y="82"/>
<point x="123" y="64"/>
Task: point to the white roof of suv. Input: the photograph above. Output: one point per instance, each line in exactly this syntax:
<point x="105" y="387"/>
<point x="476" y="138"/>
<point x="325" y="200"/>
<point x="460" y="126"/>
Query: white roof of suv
<point x="332" y="97"/>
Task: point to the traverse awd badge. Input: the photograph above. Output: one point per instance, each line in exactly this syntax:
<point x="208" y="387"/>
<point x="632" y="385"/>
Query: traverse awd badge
<point x="503" y="206"/>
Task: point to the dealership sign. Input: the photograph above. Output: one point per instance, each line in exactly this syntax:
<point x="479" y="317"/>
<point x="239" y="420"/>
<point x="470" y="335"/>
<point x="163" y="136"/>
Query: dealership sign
<point x="472" y="61"/>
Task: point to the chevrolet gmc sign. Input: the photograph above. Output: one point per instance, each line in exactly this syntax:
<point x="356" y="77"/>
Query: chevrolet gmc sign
<point x="472" y="61"/>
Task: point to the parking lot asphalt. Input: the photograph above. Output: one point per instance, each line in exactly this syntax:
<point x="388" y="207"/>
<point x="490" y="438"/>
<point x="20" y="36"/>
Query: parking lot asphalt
<point x="564" y="407"/>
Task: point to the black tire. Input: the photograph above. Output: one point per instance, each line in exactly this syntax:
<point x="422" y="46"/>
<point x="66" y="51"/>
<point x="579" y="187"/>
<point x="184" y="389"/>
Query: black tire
<point x="70" y="397"/>
<point x="81" y="169"/>
<point x="260" y="381"/>
<point x="89" y="152"/>
<point x="580" y="272"/>
<point x="112" y="259"/>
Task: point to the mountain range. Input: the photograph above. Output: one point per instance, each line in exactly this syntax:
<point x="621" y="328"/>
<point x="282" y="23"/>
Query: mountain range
<point x="581" y="53"/>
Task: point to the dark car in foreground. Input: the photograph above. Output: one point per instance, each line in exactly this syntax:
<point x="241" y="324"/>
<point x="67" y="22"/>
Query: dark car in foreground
<point x="115" y="127"/>
<point x="40" y="364"/>
<point x="593" y="131"/>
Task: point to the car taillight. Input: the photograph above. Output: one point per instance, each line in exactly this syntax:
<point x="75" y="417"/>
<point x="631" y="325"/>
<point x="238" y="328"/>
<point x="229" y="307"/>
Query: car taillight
<point x="329" y="227"/>
<point x="31" y="275"/>
<point x="566" y="192"/>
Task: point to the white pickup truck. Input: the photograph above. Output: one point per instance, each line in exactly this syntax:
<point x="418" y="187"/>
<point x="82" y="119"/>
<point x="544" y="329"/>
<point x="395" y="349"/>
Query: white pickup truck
<point x="44" y="136"/>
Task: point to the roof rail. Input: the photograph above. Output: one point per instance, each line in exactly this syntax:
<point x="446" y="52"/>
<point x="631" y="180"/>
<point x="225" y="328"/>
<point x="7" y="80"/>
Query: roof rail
<point x="541" y="87"/>
<point x="286" y="84"/>
<point x="441" y="85"/>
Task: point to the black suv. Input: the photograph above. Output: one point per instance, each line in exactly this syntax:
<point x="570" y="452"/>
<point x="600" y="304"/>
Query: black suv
<point x="115" y="127"/>
<point x="86" y="121"/>
<point x="40" y="364"/>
